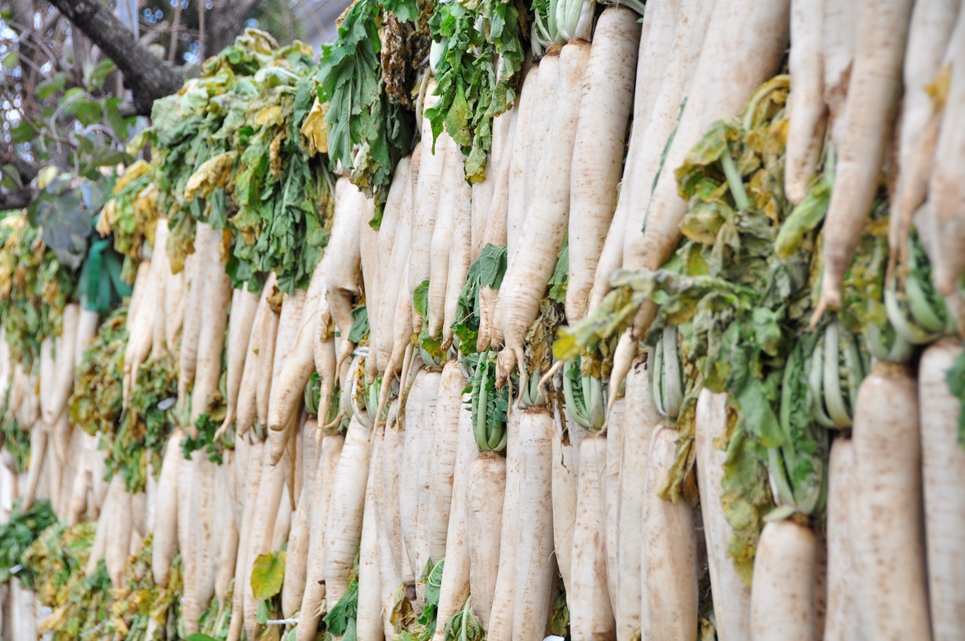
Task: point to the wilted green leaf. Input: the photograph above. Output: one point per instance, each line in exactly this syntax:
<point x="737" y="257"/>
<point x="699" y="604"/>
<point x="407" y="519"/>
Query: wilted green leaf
<point x="268" y="574"/>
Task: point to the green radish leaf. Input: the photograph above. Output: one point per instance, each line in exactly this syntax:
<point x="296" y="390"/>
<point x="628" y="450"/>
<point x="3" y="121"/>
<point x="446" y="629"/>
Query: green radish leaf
<point x="360" y="325"/>
<point x="261" y="617"/>
<point x="267" y="575"/>
<point x="340" y="619"/>
<point x="557" y="282"/>
<point x="486" y="271"/>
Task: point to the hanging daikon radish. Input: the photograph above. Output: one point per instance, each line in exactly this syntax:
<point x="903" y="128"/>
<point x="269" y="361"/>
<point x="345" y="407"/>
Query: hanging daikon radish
<point x="732" y="597"/>
<point x="244" y="305"/>
<point x="442" y="462"/>
<point x="605" y="104"/>
<point x="344" y="275"/>
<point x="394" y="252"/>
<point x="460" y="255"/>
<point x="669" y="554"/>
<point x="442" y="230"/>
<point x="838" y="41"/>
<point x="194" y="279"/>
<point x="782" y="600"/>
<point x="841" y="622"/>
<point x="566" y="465"/>
<point x="886" y="509"/>
<point x="501" y="616"/>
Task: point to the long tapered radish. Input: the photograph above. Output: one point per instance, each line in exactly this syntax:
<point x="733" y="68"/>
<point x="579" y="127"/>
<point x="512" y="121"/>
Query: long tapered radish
<point x="656" y="48"/>
<point x="445" y="442"/>
<point x="265" y="323"/>
<point x="547" y="215"/>
<point x="669" y="553"/>
<point x="942" y="472"/>
<point x="118" y="532"/>
<point x="605" y="105"/>
<point x="194" y="278"/>
<point x="174" y="303"/>
<point x="162" y="267"/>
<point x="293" y="588"/>
<point x="838" y="43"/>
<point x="227" y="537"/>
<point x="217" y="298"/>
<point x="495" y="233"/>
<point x="460" y="255"/>
<point x="369" y="617"/>
<point x="426" y="207"/>
<point x="393" y="280"/>
<point x="641" y="419"/>
<point x="314" y="596"/>
<point x="38" y="452"/>
<point x="289" y="384"/>
<point x="455" y="575"/>
<point x="483" y="192"/>
<point x="726" y="76"/>
<point x="591" y="612"/>
<point x="732" y="597"/>
<point x="501" y="615"/>
<point x="807" y="111"/>
<point x="344" y="276"/>
<point x="141" y="331"/>
<point x="53" y="401"/>
<point x="421" y="410"/>
<point x="270" y="497"/>
<point x="244" y="559"/>
<point x="244" y="305"/>
<point x="441" y="243"/>
<point x="166" y="517"/>
<point x="566" y="457"/>
<point x="484" y="512"/>
<point x="615" y="424"/>
<point x="87" y="323"/>
<point x="518" y="168"/>
<point x="841" y="622"/>
<point x="934" y="38"/>
<point x="874" y="91"/>
<point x="138" y="290"/>
<point x="266" y="356"/>
<point x="886" y="511"/>
<point x="205" y="546"/>
<point x="782" y="601"/>
<point x="395" y="562"/>
<point x="535" y="565"/>
<point x="344" y="527"/>
<point x="945" y="190"/>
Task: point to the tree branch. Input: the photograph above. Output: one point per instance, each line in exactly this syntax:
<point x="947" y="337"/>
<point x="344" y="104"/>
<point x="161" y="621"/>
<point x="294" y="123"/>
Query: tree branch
<point x="148" y="78"/>
<point x="16" y="199"/>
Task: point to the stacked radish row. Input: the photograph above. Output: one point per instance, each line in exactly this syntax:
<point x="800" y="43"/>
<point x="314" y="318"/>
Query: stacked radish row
<point x="414" y="496"/>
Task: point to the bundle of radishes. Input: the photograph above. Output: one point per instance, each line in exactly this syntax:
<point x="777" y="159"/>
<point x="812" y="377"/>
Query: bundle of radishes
<point x="753" y="432"/>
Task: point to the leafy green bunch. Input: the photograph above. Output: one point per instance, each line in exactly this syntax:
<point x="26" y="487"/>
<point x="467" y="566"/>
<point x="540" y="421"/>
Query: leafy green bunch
<point x="97" y="400"/>
<point x="365" y="76"/>
<point x="34" y="288"/>
<point x="17" y="535"/>
<point x="477" y="74"/>
<point x="232" y="152"/>
<point x="130" y="215"/>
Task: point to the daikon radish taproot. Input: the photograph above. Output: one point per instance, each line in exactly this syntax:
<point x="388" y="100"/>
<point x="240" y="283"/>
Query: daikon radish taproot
<point x="656" y="42"/>
<point x="807" y="111"/>
<point x="445" y="441"/>
<point x="519" y="166"/>
<point x="394" y="251"/>
<point x="932" y="22"/>
<point x="425" y="208"/>
<point x="53" y="401"/>
<point x="203" y="554"/>
<point x="732" y="597"/>
<point x="369" y="617"/>
<point x="669" y="554"/>
<point x="886" y="509"/>
<point x="460" y="255"/>
<point x="535" y="566"/>
<point x="442" y="232"/>
<point x="194" y="278"/>
<point x="838" y="42"/>
<point x="873" y="95"/>
<point x="605" y="104"/>
<point x="268" y="503"/>
<point x="943" y="471"/>
<point x="243" y="559"/>
<point x="118" y="532"/>
<point x="588" y="597"/>
<point x="501" y="616"/>
<point x="841" y="622"/>
<point x="547" y="215"/>
<point x="293" y="588"/>
<point x="166" y="518"/>
<point x="420" y="410"/>
<point x="455" y="575"/>
<point x="264" y="322"/>
<point x="782" y="601"/>
<point x="244" y="305"/>
<point x="612" y="471"/>
<point x="344" y="528"/>
<point x="566" y="456"/>
<point x="483" y="192"/>
<point x="641" y="419"/>
<point x="484" y="512"/>
<point x="214" y="320"/>
<point x="344" y="276"/>
<point x="312" y="601"/>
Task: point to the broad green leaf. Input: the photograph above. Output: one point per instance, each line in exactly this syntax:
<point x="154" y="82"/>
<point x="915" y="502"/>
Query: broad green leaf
<point x="268" y="574"/>
<point x="51" y="85"/>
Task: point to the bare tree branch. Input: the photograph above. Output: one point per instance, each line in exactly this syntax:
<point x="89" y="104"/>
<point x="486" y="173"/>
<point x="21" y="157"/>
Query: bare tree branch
<point x="148" y="78"/>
